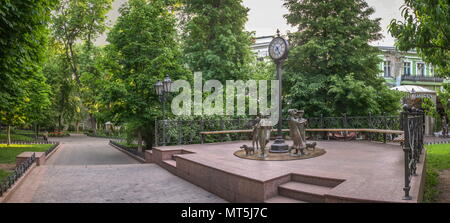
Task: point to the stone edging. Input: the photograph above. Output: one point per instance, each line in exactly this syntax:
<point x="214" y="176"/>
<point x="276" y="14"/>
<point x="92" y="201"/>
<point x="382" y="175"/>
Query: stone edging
<point x="8" y="193"/>
<point x="103" y="137"/>
<point x="139" y="159"/>
<point x="54" y="151"/>
<point x="14" y="187"/>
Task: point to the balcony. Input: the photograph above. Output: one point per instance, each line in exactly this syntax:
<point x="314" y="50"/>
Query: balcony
<point x="422" y="78"/>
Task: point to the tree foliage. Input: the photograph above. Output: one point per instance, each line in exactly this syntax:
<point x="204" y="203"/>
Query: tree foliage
<point x="215" y="42"/>
<point x="425" y="27"/>
<point x="23" y="37"/>
<point x="143" y="42"/>
<point x="23" y="34"/>
<point x="76" y="20"/>
<point x="331" y="68"/>
<point x="75" y="25"/>
<point x="65" y="99"/>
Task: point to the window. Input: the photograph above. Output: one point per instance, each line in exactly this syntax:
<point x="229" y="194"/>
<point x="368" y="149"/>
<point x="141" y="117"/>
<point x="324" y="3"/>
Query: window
<point x="420" y="69"/>
<point x="387" y="68"/>
<point x="431" y="70"/>
<point x="407" y="68"/>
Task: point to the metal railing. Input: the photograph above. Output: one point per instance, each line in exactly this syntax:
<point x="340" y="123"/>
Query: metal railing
<point x="413" y="126"/>
<point x="421" y="78"/>
<point x="28" y="142"/>
<point x="179" y="132"/>
<point x="53" y="147"/>
<point x="18" y="172"/>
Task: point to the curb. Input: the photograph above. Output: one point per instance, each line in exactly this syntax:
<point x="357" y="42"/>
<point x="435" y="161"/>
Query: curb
<point x="54" y="151"/>
<point x="11" y="190"/>
<point x="139" y="159"/>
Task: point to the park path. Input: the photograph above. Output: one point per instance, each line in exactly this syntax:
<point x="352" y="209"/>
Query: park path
<point x="84" y="150"/>
<point x="87" y="169"/>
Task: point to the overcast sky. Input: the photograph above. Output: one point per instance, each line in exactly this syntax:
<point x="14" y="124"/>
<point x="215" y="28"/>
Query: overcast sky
<point x="265" y="16"/>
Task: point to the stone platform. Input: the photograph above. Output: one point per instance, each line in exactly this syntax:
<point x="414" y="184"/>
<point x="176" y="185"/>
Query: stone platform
<point x="280" y="156"/>
<point x="349" y="171"/>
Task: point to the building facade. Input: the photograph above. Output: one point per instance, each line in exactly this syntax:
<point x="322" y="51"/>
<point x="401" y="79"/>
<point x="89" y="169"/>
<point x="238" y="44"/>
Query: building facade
<point x="397" y="68"/>
<point x="260" y="47"/>
<point x="407" y="68"/>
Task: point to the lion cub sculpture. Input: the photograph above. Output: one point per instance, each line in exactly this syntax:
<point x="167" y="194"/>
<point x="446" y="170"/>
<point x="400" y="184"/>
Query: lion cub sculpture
<point x="248" y="150"/>
<point x="311" y="145"/>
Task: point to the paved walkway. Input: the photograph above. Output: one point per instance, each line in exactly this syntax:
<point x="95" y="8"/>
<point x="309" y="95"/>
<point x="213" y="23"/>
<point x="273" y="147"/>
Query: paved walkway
<point x="372" y="171"/>
<point x="84" y="150"/>
<point x="86" y="169"/>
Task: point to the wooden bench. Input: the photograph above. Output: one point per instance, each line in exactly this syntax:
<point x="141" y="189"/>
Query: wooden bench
<point x="386" y="131"/>
<point x="400" y="138"/>
<point x="382" y="131"/>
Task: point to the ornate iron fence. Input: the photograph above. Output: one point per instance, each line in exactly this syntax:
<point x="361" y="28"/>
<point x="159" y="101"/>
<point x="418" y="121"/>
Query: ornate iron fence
<point x="179" y="132"/>
<point x="53" y="147"/>
<point x="29" y="142"/>
<point x="413" y="122"/>
<point x="18" y="172"/>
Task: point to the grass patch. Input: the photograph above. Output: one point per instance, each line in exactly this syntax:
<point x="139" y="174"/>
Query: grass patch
<point x="128" y="145"/>
<point x="8" y="153"/>
<point x="15" y="137"/>
<point x="438" y="158"/>
<point x="4" y="174"/>
<point x="23" y="131"/>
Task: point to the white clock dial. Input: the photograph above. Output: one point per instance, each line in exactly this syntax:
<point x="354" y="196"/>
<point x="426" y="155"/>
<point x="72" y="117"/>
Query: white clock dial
<point x="278" y="48"/>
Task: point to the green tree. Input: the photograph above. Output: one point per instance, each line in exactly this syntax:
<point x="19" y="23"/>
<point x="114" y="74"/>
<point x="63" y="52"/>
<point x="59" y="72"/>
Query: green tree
<point x="23" y="36"/>
<point x="262" y="70"/>
<point x="425" y="26"/>
<point x="92" y="70"/>
<point x="39" y="103"/>
<point x="76" y="20"/>
<point x="73" y="22"/>
<point x="215" y="42"/>
<point x="444" y="99"/>
<point x="331" y="68"/>
<point x="442" y="110"/>
<point x="144" y="43"/>
<point x="64" y="97"/>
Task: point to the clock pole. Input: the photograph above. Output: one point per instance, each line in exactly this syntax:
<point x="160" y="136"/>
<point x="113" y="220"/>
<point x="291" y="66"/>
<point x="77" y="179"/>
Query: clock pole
<point x="279" y="146"/>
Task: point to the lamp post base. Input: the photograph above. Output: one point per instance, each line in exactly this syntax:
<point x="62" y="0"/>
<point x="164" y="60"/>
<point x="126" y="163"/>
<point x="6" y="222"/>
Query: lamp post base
<point x="279" y="146"/>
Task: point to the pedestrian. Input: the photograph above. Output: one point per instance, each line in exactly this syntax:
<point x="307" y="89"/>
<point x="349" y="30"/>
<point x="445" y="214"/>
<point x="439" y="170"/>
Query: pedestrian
<point x="45" y="135"/>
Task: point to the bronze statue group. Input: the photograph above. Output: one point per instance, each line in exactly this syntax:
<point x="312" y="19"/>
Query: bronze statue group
<point x="262" y="129"/>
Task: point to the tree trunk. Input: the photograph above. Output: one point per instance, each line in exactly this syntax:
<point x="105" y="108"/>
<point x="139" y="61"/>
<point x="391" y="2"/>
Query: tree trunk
<point x="9" y="135"/>
<point x="59" y="123"/>
<point x="93" y="124"/>
<point x="77" y="126"/>
<point x="37" y="131"/>
<point x="73" y="64"/>
<point x="139" y="141"/>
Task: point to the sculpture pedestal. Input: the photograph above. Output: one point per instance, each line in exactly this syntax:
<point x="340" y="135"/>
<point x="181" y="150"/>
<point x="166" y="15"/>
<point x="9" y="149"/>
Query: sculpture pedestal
<point x="279" y="146"/>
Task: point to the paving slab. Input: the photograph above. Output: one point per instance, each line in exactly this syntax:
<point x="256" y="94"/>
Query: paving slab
<point x="84" y="150"/>
<point x="371" y="171"/>
<point x="133" y="183"/>
<point x="88" y="170"/>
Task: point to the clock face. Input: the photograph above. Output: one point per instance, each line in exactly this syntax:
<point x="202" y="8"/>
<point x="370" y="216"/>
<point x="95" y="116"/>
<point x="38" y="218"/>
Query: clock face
<point x="278" y="48"/>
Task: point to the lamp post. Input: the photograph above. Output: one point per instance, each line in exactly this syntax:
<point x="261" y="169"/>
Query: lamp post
<point x="162" y="88"/>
